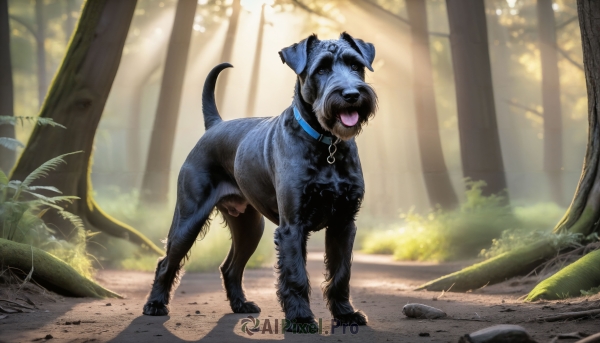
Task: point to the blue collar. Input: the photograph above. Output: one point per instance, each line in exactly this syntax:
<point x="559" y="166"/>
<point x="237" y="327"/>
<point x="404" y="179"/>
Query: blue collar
<point x="312" y="132"/>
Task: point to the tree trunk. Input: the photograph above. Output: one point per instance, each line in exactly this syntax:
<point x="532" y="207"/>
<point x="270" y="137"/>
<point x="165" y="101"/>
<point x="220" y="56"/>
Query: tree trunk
<point x="480" y="149"/>
<point x="40" y="34"/>
<point x="227" y="51"/>
<point x="550" y="99"/>
<point x="7" y="156"/>
<point x="437" y="181"/>
<point x="155" y="185"/>
<point x="583" y="214"/>
<point x="76" y="100"/>
<point x="134" y="149"/>
<point x="253" y="91"/>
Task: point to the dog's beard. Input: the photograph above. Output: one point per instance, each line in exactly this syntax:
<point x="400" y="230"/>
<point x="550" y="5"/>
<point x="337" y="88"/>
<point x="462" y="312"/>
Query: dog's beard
<point x="333" y="111"/>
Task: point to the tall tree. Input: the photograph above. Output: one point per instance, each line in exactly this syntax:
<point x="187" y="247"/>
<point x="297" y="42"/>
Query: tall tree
<point x="437" y="180"/>
<point x="550" y="99"/>
<point x="7" y="156"/>
<point x="40" y="34"/>
<point x="253" y="89"/>
<point x="581" y="217"/>
<point x="227" y="51"/>
<point x="76" y="100"/>
<point x="155" y="185"/>
<point x="480" y="149"/>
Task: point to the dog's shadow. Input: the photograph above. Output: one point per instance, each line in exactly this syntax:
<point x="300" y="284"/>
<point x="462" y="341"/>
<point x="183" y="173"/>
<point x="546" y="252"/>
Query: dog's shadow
<point x="228" y="329"/>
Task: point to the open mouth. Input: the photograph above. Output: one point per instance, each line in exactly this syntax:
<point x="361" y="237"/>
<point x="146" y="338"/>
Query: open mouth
<point x="348" y="117"/>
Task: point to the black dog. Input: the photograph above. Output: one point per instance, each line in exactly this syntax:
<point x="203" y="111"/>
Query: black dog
<point x="300" y="170"/>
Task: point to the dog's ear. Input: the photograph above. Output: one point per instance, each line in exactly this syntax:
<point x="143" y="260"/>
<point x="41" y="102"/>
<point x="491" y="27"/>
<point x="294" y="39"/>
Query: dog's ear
<point x="367" y="50"/>
<point x="296" y="55"/>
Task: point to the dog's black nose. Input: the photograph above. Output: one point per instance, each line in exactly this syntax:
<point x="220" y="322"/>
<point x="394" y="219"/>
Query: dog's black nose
<point x="351" y="95"/>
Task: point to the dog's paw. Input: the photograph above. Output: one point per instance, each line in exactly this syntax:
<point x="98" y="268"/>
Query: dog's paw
<point x="246" y="307"/>
<point x="357" y="317"/>
<point x="155" y="308"/>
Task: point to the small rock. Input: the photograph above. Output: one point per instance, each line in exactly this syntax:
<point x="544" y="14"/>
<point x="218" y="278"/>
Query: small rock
<point x="108" y="304"/>
<point x="48" y="336"/>
<point x="423" y="334"/>
<point x="197" y="312"/>
<point x="422" y="311"/>
<point x="178" y="324"/>
<point x="498" y="334"/>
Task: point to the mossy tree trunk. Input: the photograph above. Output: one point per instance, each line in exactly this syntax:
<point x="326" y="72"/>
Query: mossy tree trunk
<point x="50" y="271"/>
<point x="76" y="100"/>
<point x="437" y="180"/>
<point x="550" y="99"/>
<point x="7" y="156"/>
<point x="155" y="185"/>
<point x="480" y="149"/>
<point x="582" y="216"/>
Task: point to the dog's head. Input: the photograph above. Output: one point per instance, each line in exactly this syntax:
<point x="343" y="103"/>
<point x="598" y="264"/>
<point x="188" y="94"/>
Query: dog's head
<point x="331" y="74"/>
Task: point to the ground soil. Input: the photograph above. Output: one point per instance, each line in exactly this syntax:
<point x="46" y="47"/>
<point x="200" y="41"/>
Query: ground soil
<point x="200" y="312"/>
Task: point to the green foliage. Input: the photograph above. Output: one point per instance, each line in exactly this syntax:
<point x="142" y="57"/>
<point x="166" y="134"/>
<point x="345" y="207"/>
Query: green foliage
<point x="461" y="233"/>
<point x="590" y="292"/>
<point x="13" y="120"/>
<point x="22" y="207"/>
<point x="206" y="255"/>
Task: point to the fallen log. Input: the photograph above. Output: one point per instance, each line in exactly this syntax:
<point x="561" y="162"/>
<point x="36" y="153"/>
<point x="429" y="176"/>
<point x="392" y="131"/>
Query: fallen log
<point x="50" y="270"/>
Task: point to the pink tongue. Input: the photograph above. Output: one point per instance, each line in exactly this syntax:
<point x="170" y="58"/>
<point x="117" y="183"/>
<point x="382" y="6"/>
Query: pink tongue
<point x="349" y="119"/>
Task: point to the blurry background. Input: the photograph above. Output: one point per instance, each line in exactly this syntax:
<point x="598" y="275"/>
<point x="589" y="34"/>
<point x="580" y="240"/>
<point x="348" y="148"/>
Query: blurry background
<point x="397" y="214"/>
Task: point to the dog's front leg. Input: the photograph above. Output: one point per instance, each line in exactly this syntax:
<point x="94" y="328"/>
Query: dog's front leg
<point x="338" y="260"/>
<point x="293" y="287"/>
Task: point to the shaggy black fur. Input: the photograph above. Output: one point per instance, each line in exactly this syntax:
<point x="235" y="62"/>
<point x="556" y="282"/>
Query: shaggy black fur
<point x="255" y="167"/>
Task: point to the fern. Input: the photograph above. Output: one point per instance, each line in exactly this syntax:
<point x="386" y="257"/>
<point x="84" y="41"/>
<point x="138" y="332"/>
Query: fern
<point x="10" y="143"/>
<point x="13" y="120"/>
<point x="42" y="171"/>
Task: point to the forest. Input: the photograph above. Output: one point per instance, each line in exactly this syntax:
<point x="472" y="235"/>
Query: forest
<point x="482" y="192"/>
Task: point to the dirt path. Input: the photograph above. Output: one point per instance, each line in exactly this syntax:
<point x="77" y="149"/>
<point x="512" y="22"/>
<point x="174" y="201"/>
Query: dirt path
<point x="380" y="287"/>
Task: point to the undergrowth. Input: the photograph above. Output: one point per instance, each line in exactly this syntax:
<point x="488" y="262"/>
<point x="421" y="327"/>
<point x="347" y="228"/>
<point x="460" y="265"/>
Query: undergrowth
<point x="23" y="205"/>
<point x="482" y="224"/>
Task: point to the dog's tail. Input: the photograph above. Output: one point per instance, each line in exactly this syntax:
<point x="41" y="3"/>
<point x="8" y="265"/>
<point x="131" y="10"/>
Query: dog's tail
<point x="209" y="106"/>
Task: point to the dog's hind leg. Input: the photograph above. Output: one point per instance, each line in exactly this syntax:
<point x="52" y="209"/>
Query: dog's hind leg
<point x="246" y="230"/>
<point x="196" y="199"/>
<point x="338" y="261"/>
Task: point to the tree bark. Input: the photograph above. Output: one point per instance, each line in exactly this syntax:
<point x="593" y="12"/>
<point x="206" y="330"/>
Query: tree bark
<point x="437" y="180"/>
<point x="550" y="99"/>
<point x="253" y="90"/>
<point x="41" y="51"/>
<point x="155" y="185"/>
<point x="227" y="51"/>
<point x="7" y="156"/>
<point x="480" y="149"/>
<point x="76" y="100"/>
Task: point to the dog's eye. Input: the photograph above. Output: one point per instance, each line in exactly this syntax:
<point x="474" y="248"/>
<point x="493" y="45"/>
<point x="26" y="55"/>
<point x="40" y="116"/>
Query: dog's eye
<point x="354" y="66"/>
<point x="322" y="71"/>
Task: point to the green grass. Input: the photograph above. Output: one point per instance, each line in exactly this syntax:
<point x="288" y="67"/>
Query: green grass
<point x="481" y="225"/>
